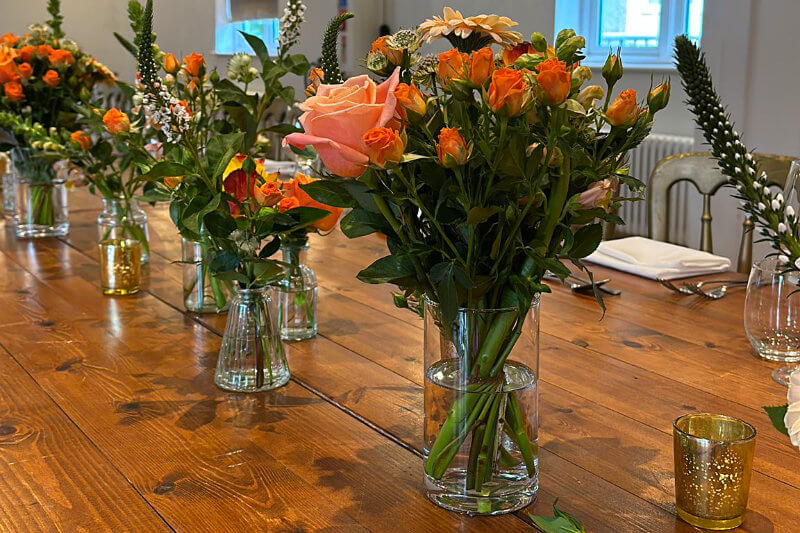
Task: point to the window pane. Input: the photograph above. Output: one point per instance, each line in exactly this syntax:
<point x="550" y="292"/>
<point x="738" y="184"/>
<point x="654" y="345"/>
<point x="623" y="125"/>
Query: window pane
<point x="694" y="20"/>
<point x="228" y="40"/>
<point x="630" y="23"/>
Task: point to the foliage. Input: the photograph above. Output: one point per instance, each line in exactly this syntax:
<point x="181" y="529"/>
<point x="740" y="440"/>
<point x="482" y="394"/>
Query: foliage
<point x="776" y="415"/>
<point x="330" y="54"/>
<point x="562" y="522"/>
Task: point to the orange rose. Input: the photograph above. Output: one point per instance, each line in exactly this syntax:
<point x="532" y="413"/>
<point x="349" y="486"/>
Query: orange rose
<point x="508" y="92"/>
<point x="452" y="149"/>
<point x="623" y="110"/>
<point x="554" y="81"/>
<point x="510" y="55"/>
<point x="43" y="51"/>
<point x="288" y="203"/>
<point x="394" y="56"/>
<point x="82" y="139"/>
<point x="9" y="39"/>
<point x="268" y="194"/>
<point x="383" y="145"/>
<point x="411" y="99"/>
<point x="451" y="66"/>
<point x="315" y="78"/>
<point x="481" y="66"/>
<point x="51" y="79"/>
<point x="9" y="71"/>
<point x="171" y="64"/>
<point x="325" y="224"/>
<point x="25" y="70"/>
<point x="26" y="53"/>
<point x="116" y="121"/>
<point x="60" y="58"/>
<point x="173" y="181"/>
<point x="194" y="64"/>
<point x="13" y="91"/>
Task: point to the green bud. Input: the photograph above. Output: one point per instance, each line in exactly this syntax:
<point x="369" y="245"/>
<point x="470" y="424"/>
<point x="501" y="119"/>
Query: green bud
<point x="538" y="42"/>
<point x="658" y="97"/>
<point x="569" y="47"/>
<point x="214" y="77"/>
<point x="612" y="70"/>
<point x="563" y="35"/>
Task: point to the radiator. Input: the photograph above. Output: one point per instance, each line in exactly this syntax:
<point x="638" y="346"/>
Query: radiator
<point x="643" y="159"/>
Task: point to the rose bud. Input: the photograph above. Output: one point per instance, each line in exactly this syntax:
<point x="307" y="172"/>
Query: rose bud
<point x="612" y="70"/>
<point x="452" y="149"/>
<point x="171" y="64"/>
<point x="82" y="139"/>
<point x="623" y="110"/>
<point x="481" y="66"/>
<point x="508" y="93"/>
<point x="411" y="100"/>
<point x="588" y="95"/>
<point x="51" y="79"/>
<point x="554" y="81"/>
<point x="288" y="204"/>
<point x="384" y="145"/>
<point x="451" y="66"/>
<point x="510" y="55"/>
<point x="173" y="181"/>
<point x="381" y="45"/>
<point x="116" y="121"/>
<point x="599" y="194"/>
<point x="268" y="194"/>
<point x="658" y="97"/>
<point x="538" y="42"/>
<point x="25" y="70"/>
<point x="194" y="64"/>
<point x="580" y="75"/>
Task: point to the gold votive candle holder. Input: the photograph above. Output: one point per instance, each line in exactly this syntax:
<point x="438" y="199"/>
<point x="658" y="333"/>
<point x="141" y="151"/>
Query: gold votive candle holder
<point x="120" y="266"/>
<point x="713" y="465"/>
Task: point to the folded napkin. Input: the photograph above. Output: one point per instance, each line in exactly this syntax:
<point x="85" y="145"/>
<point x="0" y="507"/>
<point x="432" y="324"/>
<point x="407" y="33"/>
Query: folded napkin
<point x="654" y="259"/>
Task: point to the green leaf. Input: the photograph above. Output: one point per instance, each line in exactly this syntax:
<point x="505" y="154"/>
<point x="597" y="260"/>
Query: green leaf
<point x="284" y="129"/>
<point x="232" y="275"/>
<point x="266" y="270"/>
<point x="220" y="150"/>
<point x="358" y="223"/>
<point x="387" y="269"/>
<point x="127" y="45"/>
<point x="562" y="522"/>
<point x="165" y="169"/>
<point x="477" y="215"/>
<point x="219" y="224"/>
<point x="258" y="46"/>
<point x="776" y="415"/>
<point x="224" y="262"/>
<point x="586" y="240"/>
<point x="192" y="220"/>
<point x="332" y="193"/>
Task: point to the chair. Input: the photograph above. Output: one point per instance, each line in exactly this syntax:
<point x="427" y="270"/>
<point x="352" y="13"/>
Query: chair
<point x="699" y="169"/>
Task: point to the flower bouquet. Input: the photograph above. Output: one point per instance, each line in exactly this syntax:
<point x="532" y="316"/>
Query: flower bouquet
<point x="484" y="169"/>
<point x="43" y="76"/>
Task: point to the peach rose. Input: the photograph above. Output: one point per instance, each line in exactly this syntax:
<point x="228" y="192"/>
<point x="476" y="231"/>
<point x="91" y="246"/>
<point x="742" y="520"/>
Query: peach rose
<point x="510" y="55"/>
<point x="51" y="79"/>
<point x="411" y="99"/>
<point x="384" y="145"/>
<point x="623" y="110"/>
<point x="336" y="119"/>
<point x="394" y="56"/>
<point x="13" y="91"/>
<point x="25" y="70"/>
<point x="116" y="121"/>
<point x="194" y="64"/>
<point x="325" y="224"/>
<point x="82" y="139"/>
<point x="9" y="39"/>
<point x="171" y="64"/>
<point x="268" y="194"/>
<point x="451" y="66"/>
<point x="288" y="203"/>
<point x="452" y="149"/>
<point x="60" y="58"/>
<point x="554" y="80"/>
<point x="26" y="53"/>
<point x="508" y="92"/>
<point x="481" y="66"/>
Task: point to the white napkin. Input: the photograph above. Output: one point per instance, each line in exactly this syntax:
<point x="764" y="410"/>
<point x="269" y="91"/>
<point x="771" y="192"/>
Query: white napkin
<point x="654" y="259"/>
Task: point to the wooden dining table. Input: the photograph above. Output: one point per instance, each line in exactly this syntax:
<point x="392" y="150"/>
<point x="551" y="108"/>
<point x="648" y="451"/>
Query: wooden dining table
<point x="110" y="419"/>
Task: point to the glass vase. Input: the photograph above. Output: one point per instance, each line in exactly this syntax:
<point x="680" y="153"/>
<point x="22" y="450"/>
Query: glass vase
<point x="202" y="292"/>
<point x="120" y="266"/>
<point x="296" y="293"/>
<point x="251" y="357"/>
<point x="481" y="409"/>
<point x="116" y="222"/>
<point x="9" y="179"/>
<point x="40" y="196"/>
<point x="772" y="314"/>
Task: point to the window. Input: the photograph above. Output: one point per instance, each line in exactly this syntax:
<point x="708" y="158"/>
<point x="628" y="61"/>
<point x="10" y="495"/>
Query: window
<point x="643" y="29"/>
<point x="257" y="17"/>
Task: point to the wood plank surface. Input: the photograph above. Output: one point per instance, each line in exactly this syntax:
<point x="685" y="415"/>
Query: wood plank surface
<point x="339" y="448"/>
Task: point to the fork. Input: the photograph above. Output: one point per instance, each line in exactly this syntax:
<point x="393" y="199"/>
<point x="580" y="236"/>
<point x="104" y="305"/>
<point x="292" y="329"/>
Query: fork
<point x="695" y="288"/>
<point x="719" y="292"/>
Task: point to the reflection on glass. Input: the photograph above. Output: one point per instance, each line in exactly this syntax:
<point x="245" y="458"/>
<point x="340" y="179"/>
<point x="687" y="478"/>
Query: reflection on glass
<point x="630" y="23"/>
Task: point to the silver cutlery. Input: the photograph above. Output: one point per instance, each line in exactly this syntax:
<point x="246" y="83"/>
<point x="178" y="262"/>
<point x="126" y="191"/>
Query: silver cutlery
<point x="581" y="285"/>
<point x="719" y="292"/>
<point x="697" y="287"/>
<point x="600" y="285"/>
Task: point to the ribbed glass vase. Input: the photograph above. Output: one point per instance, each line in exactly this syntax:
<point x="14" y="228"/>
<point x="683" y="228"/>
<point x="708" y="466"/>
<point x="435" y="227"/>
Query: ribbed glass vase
<point x="252" y="356"/>
<point x="202" y="292"/>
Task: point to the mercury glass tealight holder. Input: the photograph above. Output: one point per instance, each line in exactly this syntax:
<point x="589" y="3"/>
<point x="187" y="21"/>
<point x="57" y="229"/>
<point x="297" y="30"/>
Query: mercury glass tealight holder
<point x="120" y="266"/>
<point x="713" y="465"/>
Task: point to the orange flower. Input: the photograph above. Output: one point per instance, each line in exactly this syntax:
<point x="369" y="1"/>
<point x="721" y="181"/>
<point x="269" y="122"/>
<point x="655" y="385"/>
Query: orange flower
<point x="82" y="139"/>
<point x="116" y="121"/>
<point x="43" y="50"/>
<point x="25" y="70"/>
<point x="481" y="66"/>
<point x="325" y="224"/>
<point x="451" y="66"/>
<point x="508" y="92"/>
<point x="173" y="181"/>
<point x="171" y="64"/>
<point x="194" y="64"/>
<point x="51" y="79"/>
<point x="8" y="71"/>
<point x="394" y="56"/>
<point x="452" y="149"/>
<point x="288" y="203"/>
<point x="315" y="78"/>
<point x="411" y="99"/>
<point x="9" y="39"/>
<point x="383" y="145"/>
<point x="623" y="110"/>
<point x="60" y="58"/>
<point x="26" y="53"/>
<point x="268" y="194"/>
<point x="510" y="55"/>
<point x="13" y="91"/>
<point x="554" y="81"/>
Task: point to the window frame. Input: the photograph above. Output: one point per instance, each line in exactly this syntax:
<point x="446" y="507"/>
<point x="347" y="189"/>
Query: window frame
<point x="220" y="14"/>
<point x="584" y="17"/>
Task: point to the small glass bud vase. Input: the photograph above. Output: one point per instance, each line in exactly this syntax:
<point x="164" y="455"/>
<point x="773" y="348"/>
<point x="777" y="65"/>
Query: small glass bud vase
<point x="202" y="292"/>
<point x="120" y="266"/>
<point x="40" y="197"/>
<point x="296" y="293"/>
<point x="115" y="222"/>
<point x="251" y="357"/>
<point x="9" y="184"/>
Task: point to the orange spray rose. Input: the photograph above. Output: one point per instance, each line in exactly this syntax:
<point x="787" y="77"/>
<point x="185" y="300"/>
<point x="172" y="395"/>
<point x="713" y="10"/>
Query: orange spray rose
<point x="9" y="39"/>
<point x="554" y="80"/>
<point x="623" y="110"/>
<point x="60" y="58"/>
<point x="194" y="64"/>
<point x="451" y="66"/>
<point x="268" y="194"/>
<point x="384" y="145"/>
<point x="508" y="92"/>
<point x="116" y="121"/>
<point x="481" y="66"/>
<point x="51" y="78"/>
<point x="26" y="53"/>
<point x="288" y="203"/>
<point x="13" y="91"/>
<point x="81" y="138"/>
<point x="411" y="99"/>
<point x="452" y="149"/>
<point x="380" y="44"/>
<point x="25" y="70"/>
<point x="171" y="64"/>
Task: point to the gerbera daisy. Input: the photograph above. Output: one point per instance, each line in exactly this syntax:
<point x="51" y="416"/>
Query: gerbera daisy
<point x="470" y="33"/>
